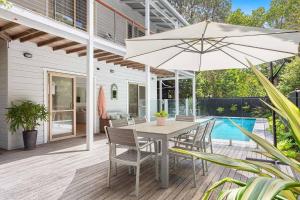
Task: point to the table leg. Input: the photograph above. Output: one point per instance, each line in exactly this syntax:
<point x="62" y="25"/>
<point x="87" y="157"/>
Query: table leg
<point x="164" y="171"/>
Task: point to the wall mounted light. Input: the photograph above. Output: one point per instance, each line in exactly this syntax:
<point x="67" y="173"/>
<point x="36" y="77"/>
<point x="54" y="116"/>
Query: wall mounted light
<point x="27" y="55"/>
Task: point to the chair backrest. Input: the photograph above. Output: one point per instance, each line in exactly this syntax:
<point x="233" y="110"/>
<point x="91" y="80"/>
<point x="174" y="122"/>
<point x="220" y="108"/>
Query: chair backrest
<point x="126" y="137"/>
<point x="200" y="132"/>
<point x="118" y="123"/>
<point x="139" y="120"/>
<point x="209" y="128"/>
<point x="186" y="118"/>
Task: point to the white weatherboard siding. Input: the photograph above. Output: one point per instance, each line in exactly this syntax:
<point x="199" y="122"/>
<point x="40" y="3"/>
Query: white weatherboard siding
<point x="26" y="79"/>
<point x="3" y="94"/>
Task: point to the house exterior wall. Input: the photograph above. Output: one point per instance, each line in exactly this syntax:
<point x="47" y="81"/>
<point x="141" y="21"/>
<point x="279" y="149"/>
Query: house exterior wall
<point x="26" y="80"/>
<point x="3" y="94"/>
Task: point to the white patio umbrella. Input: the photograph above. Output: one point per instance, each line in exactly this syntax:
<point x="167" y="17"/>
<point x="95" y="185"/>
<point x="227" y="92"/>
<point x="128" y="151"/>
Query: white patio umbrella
<point x="212" y="46"/>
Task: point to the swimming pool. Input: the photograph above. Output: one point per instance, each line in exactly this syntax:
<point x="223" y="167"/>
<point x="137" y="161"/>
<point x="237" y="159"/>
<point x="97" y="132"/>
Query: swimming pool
<point x="225" y="130"/>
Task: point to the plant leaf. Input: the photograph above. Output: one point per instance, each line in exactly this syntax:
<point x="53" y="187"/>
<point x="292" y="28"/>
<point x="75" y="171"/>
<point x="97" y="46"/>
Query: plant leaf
<point x="219" y="183"/>
<point x="263" y="188"/>
<point x="283" y="104"/>
<point x="221" y="160"/>
<point x="270" y="148"/>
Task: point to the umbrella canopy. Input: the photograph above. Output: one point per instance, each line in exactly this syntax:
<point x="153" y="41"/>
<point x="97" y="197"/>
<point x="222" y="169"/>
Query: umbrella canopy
<point x="212" y="46"/>
<point x="102" y="104"/>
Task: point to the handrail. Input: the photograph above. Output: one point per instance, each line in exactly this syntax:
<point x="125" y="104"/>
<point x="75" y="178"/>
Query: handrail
<point x="121" y="14"/>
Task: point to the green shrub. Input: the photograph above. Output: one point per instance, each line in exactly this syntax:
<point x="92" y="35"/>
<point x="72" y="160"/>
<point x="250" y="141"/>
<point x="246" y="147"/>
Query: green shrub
<point x="220" y="110"/>
<point x="234" y="108"/>
<point x="246" y="108"/>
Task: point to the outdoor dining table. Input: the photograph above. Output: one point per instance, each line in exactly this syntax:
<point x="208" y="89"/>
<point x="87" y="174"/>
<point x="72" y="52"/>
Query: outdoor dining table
<point x="163" y="133"/>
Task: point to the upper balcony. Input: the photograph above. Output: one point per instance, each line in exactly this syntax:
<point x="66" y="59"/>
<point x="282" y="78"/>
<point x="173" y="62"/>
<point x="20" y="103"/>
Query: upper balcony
<point x="115" y="20"/>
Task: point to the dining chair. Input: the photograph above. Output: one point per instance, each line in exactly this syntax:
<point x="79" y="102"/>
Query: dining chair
<point x="185" y="118"/>
<point x="206" y="139"/>
<point x="116" y="123"/>
<point x="193" y="144"/>
<point x="133" y="156"/>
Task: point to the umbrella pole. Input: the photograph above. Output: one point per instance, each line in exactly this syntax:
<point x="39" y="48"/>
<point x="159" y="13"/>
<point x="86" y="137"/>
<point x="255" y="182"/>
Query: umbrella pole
<point x="274" y="130"/>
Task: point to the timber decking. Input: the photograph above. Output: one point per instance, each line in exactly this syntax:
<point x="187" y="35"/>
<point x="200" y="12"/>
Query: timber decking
<point x="64" y="170"/>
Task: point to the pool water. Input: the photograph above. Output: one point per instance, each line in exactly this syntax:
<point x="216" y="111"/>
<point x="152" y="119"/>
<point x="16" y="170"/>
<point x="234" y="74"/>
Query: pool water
<point x="224" y="129"/>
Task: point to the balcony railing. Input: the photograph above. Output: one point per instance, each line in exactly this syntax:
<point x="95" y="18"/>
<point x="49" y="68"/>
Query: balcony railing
<point x="109" y="23"/>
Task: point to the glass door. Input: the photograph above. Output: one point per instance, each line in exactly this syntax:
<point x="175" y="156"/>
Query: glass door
<point x="142" y="101"/>
<point x="137" y="100"/>
<point x="62" y="106"/>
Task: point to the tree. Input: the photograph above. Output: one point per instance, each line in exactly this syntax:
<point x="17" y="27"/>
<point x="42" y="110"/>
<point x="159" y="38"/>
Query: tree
<point x="290" y="77"/>
<point x="257" y="18"/>
<point x="200" y="10"/>
<point x="228" y="83"/>
<point x="284" y="14"/>
<point x="4" y="2"/>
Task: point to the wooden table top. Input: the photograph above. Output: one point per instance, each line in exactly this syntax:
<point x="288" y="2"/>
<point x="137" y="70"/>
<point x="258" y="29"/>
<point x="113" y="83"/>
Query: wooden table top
<point x="169" y="128"/>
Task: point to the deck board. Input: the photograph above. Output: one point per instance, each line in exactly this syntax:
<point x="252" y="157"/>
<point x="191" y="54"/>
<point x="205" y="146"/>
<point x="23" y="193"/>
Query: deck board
<point x="64" y="170"/>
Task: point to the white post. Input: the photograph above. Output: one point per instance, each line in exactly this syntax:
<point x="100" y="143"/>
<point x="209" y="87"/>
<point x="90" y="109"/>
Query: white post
<point x="166" y="105"/>
<point x="177" y="92"/>
<point x="90" y="78"/>
<point x="160" y="95"/>
<point x="194" y="94"/>
<point x="147" y="68"/>
<point x="186" y="107"/>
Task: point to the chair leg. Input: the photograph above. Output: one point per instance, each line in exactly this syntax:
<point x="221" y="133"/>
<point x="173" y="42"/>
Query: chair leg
<point x="116" y="169"/>
<point x="137" y="180"/>
<point x="203" y="169"/>
<point x="194" y="171"/>
<point x="211" y="148"/>
<point x="156" y="161"/>
<point x="109" y="173"/>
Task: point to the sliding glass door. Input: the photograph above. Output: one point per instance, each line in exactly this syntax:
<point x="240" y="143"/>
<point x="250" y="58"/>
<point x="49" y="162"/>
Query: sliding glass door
<point x="62" y="106"/>
<point x="137" y="100"/>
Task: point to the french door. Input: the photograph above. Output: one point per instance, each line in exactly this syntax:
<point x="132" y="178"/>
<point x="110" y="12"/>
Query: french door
<point x="137" y="100"/>
<point x="62" y="106"/>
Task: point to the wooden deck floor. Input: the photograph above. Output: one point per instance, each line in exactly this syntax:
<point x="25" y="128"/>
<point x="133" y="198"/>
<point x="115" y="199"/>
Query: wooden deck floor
<point x="64" y="170"/>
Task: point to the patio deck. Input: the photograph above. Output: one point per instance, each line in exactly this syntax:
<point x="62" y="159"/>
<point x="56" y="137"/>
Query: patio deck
<point x="64" y="170"/>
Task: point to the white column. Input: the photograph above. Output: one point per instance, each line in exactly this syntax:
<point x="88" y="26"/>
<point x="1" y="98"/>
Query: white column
<point x="160" y="95"/>
<point x="90" y="78"/>
<point x="177" y="92"/>
<point x="147" y="68"/>
<point x="194" y="94"/>
<point x="187" y="107"/>
<point x="166" y="105"/>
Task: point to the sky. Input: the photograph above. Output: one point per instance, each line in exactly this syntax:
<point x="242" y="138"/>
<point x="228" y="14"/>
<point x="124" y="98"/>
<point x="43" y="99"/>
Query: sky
<point x="248" y="5"/>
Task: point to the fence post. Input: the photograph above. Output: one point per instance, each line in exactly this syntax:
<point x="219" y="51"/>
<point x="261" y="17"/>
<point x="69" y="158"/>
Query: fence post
<point x="186" y="107"/>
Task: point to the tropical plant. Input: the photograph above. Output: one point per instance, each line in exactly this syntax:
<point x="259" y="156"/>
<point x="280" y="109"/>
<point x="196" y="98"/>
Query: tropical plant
<point x="271" y="183"/>
<point x="234" y="108"/>
<point x="220" y="110"/>
<point x="26" y="114"/>
<point x="161" y="114"/>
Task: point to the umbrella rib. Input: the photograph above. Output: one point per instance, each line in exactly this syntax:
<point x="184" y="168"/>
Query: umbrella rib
<point x="191" y="46"/>
<point x="232" y="57"/>
<point x="246" y="54"/>
<point x="256" y="47"/>
<point x="173" y="57"/>
<point x="177" y="45"/>
<point x="213" y="45"/>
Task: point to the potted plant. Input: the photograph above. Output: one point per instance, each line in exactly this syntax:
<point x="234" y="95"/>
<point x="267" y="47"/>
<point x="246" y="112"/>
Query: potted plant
<point x="161" y="118"/>
<point x="27" y="115"/>
<point x="220" y="110"/>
